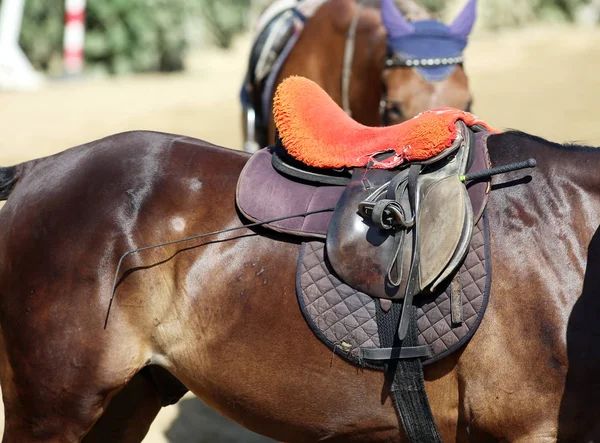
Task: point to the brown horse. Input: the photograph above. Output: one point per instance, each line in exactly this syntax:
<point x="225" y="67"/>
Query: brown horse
<point x="375" y="64"/>
<point x="219" y="313"/>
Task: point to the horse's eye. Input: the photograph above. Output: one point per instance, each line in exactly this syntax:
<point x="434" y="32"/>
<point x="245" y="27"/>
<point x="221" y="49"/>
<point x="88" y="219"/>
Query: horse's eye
<point x="394" y="111"/>
<point x="469" y="106"/>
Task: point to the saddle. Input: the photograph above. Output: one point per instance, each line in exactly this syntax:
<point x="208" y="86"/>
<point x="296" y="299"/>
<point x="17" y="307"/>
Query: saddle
<point x="403" y="217"/>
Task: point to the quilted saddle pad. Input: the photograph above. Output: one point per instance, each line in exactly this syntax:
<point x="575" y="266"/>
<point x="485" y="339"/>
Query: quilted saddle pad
<point x="344" y="319"/>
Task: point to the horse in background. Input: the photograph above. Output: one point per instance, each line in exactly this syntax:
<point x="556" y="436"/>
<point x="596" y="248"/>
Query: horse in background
<point x="380" y="67"/>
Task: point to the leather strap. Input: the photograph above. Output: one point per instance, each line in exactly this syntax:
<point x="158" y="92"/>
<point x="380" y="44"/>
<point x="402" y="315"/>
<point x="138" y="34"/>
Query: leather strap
<point x="412" y="287"/>
<point x="348" y="57"/>
<point x="396" y="353"/>
<point x="407" y="388"/>
<point x="306" y="173"/>
<point x="409" y="394"/>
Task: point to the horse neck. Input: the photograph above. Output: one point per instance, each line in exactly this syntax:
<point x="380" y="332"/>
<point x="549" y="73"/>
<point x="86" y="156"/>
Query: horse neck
<point x="369" y="56"/>
<point x="367" y="68"/>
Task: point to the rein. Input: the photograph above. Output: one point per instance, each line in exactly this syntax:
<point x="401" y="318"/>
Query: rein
<point x="195" y="237"/>
<point x="530" y="163"/>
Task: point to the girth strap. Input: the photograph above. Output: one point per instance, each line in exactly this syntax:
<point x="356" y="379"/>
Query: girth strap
<point x="407" y="381"/>
<point x="423" y="351"/>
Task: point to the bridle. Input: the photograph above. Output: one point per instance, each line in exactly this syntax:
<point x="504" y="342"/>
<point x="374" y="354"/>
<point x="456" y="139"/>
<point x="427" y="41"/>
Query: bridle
<point x="394" y="61"/>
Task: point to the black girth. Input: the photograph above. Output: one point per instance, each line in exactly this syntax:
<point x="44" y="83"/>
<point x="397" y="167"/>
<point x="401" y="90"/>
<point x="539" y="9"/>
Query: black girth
<point x="405" y="377"/>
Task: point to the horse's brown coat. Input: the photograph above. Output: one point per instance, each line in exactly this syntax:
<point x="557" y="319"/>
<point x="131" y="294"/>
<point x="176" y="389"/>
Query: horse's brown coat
<point x="220" y="314"/>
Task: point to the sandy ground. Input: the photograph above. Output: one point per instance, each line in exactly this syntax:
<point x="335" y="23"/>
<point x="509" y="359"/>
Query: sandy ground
<point x="540" y="80"/>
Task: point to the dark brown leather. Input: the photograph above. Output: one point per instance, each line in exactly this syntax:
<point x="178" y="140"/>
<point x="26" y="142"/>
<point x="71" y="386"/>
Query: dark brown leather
<point x="479" y="190"/>
<point x="360" y="253"/>
<point x="403" y="352"/>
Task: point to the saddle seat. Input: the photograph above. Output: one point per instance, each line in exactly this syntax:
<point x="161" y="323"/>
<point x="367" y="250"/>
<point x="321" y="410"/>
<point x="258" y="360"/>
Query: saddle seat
<point x="318" y="133"/>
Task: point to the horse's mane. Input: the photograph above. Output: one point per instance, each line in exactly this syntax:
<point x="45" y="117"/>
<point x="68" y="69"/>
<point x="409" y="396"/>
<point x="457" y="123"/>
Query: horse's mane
<point x="571" y="146"/>
<point x="7" y="181"/>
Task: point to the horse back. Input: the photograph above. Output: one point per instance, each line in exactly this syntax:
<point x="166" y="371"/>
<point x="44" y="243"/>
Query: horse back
<point x="71" y="216"/>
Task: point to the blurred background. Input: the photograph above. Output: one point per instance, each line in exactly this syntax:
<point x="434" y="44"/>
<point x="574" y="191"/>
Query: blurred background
<point x="177" y="66"/>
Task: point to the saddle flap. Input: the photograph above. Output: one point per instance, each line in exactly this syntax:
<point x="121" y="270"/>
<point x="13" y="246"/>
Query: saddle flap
<point x="441" y="223"/>
<point x="263" y="194"/>
<point x="379" y="258"/>
<point x="357" y="250"/>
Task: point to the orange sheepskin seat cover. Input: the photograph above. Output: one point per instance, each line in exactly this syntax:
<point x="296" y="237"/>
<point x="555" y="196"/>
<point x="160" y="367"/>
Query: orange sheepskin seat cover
<point x="317" y="132"/>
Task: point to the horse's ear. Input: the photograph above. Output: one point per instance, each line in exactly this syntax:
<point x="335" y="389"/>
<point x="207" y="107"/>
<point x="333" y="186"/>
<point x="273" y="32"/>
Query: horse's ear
<point x="393" y="20"/>
<point x="463" y="24"/>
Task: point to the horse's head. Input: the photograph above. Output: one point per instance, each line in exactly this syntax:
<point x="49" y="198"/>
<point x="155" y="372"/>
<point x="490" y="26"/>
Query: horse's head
<point x="423" y="65"/>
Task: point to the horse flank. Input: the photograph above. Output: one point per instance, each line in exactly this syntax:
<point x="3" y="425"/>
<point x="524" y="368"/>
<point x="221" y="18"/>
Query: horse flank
<point x="8" y="179"/>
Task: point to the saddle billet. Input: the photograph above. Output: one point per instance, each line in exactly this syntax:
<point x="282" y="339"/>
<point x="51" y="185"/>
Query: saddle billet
<point x="360" y="252"/>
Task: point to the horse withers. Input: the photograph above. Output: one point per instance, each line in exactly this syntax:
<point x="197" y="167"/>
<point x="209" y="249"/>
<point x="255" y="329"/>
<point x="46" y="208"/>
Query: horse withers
<point x="381" y="68"/>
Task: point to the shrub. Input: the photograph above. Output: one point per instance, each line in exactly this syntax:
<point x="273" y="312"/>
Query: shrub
<point x="121" y="35"/>
<point x="225" y="18"/>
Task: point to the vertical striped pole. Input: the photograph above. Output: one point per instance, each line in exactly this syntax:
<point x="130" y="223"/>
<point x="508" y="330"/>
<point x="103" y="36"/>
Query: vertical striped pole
<point x="74" y="36"/>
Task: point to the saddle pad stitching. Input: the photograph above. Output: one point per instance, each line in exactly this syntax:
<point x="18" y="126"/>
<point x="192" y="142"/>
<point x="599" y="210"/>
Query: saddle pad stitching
<point x="450" y="337"/>
<point x="333" y="304"/>
<point x="342" y="317"/>
<point x="334" y="348"/>
<point x="449" y="341"/>
<point x="486" y="293"/>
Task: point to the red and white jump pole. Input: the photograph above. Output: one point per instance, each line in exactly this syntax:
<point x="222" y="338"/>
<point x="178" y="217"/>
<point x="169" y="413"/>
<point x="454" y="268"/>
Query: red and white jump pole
<point x="74" y="36"/>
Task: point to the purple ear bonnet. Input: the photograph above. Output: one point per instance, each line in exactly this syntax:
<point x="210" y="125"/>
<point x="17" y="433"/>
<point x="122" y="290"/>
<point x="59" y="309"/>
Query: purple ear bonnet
<point x="428" y="39"/>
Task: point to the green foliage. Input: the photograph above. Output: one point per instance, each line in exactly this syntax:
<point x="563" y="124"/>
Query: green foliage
<point x="42" y="32"/>
<point x="151" y="35"/>
<point x="136" y="35"/>
<point x="121" y="35"/>
<point x="225" y="18"/>
<point x="434" y="6"/>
